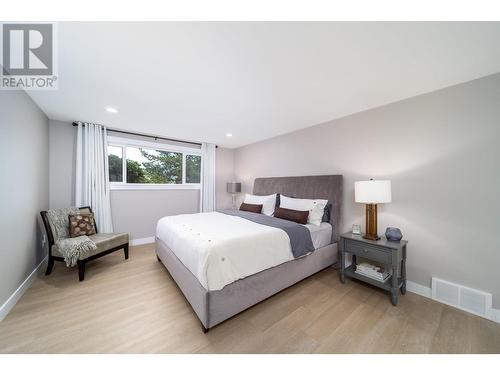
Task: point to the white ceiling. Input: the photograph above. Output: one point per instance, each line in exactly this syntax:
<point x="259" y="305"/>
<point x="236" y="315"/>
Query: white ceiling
<point x="198" y="81"/>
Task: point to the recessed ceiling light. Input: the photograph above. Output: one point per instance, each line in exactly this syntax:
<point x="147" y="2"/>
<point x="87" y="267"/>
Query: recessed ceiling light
<point x="111" y="110"/>
<point x="229" y="134"/>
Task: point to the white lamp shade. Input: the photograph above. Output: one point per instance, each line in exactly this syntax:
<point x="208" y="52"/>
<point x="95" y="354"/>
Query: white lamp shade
<point x="372" y="191"/>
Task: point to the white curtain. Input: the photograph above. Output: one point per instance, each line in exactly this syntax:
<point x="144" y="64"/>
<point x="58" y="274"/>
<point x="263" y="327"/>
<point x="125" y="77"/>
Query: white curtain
<point x="92" y="174"/>
<point x="207" y="197"/>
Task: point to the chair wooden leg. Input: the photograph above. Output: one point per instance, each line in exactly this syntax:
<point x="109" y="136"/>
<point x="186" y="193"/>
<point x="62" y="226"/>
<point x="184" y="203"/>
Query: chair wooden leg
<point x="125" y="250"/>
<point x="50" y="266"/>
<point x="81" y="270"/>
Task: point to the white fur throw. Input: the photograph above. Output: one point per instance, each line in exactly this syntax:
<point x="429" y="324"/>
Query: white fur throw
<point x="73" y="248"/>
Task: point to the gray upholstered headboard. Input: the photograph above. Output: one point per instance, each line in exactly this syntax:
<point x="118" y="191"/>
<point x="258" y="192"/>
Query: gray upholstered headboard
<point x="310" y="187"/>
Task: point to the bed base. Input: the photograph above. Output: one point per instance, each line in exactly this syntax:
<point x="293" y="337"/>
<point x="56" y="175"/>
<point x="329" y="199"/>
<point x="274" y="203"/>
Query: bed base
<point x="214" y="307"/>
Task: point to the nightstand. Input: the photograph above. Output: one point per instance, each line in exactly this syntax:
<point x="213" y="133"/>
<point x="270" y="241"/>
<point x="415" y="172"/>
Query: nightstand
<point x="389" y="253"/>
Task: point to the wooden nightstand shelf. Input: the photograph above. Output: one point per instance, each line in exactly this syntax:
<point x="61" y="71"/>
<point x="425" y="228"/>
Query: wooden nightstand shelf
<point x="391" y="254"/>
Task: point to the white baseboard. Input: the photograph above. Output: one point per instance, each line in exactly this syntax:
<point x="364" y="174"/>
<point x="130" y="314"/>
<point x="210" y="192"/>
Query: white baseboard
<point x="421" y="290"/>
<point x="425" y="291"/>
<point x="12" y="300"/>
<point x="495" y="315"/>
<point x="142" y="241"/>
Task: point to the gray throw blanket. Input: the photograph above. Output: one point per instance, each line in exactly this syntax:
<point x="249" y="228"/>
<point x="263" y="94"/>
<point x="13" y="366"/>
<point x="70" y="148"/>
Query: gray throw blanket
<point x="300" y="237"/>
<point x="70" y="248"/>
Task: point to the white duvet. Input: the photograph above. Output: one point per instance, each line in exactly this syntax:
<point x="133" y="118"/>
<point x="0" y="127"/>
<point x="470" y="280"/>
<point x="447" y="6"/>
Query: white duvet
<point x="219" y="249"/>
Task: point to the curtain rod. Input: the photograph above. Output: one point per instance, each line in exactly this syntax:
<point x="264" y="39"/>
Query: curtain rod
<point x="150" y="136"/>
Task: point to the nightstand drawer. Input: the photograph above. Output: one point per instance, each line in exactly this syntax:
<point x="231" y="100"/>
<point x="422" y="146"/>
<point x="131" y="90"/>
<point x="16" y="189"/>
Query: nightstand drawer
<point x="368" y="251"/>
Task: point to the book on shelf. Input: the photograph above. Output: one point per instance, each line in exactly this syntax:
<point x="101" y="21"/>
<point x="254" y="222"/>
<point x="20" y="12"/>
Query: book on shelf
<point x="383" y="278"/>
<point x="373" y="271"/>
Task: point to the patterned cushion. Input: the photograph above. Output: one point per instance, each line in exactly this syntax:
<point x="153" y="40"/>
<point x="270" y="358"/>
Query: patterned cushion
<point x="81" y="225"/>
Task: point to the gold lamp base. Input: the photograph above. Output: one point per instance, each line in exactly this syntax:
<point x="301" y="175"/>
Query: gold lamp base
<point x="371" y="222"/>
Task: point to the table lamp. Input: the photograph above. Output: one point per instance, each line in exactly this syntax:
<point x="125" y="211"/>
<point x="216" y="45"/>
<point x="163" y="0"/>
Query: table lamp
<point x="371" y="193"/>
<point x="233" y="188"/>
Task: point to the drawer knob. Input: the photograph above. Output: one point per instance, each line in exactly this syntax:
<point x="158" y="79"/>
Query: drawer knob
<point x="365" y="250"/>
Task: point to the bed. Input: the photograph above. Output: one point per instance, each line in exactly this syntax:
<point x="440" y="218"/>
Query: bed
<point x="211" y="292"/>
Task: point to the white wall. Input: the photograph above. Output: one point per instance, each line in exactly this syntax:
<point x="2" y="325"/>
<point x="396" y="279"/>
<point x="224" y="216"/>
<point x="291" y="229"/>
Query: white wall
<point x="24" y="187"/>
<point x="441" y="152"/>
<point x="134" y="211"/>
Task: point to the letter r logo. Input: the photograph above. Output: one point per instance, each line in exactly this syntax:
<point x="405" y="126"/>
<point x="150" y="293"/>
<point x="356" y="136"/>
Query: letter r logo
<point x="27" y="49"/>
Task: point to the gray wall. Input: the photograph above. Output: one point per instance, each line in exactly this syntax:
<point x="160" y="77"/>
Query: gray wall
<point x="134" y="211"/>
<point x="224" y="173"/>
<point x="62" y="141"/>
<point x="24" y="188"/>
<point x="442" y="154"/>
<point x="137" y="211"/>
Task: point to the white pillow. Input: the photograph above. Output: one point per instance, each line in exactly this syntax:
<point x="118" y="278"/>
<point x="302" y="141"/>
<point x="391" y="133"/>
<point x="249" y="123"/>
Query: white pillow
<point x="316" y="207"/>
<point x="268" y="202"/>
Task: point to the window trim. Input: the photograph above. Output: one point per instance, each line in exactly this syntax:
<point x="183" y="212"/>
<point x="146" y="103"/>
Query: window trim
<point x="124" y="142"/>
<point x="132" y="186"/>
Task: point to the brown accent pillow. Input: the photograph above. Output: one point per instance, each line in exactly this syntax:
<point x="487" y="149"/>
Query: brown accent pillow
<point x="292" y="215"/>
<point x="81" y="225"/>
<point x="257" y="208"/>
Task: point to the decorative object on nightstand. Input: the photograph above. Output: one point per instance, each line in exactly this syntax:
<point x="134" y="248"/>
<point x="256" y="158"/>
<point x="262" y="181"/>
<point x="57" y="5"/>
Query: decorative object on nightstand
<point x="393" y="234"/>
<point x="372" y="193"/>
<point x="380" y="258"/>
<point x="356" y="229"/>
<point x="233" y="188"/>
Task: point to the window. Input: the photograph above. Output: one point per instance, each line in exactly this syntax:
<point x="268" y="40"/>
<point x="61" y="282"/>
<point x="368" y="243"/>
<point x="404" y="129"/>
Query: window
<point x="115" y="160"/>
<point x="193" y="169"/>
<point x="148" y="165"/>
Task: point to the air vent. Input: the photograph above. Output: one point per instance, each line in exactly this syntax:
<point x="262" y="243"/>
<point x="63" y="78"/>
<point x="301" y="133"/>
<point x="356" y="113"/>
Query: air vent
<point x="464" y="298"/>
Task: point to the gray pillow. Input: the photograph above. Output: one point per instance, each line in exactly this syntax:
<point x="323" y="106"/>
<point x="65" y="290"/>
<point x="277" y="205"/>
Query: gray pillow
<point x="327" y="213"/>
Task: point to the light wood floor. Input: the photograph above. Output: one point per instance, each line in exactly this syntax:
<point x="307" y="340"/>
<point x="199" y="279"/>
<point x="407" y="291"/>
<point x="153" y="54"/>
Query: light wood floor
<point x="135" y="307"/>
